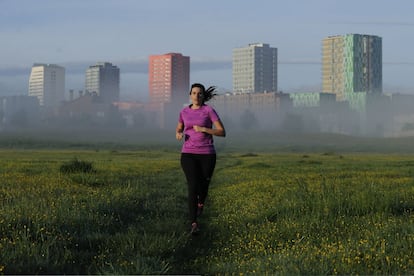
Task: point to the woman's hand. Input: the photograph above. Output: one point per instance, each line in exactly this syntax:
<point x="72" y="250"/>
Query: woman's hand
<point x="179" y="131"/>
<point x="179" y="136"/>
<point x="218" y="129"/>
<point x="199" y="128"/>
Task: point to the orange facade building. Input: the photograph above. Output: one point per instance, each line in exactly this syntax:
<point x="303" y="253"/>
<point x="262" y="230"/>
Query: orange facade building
<point x="169" y="78"/>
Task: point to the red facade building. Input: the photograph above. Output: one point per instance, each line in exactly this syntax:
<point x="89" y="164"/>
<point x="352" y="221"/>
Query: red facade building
<point x="169" y="78"/>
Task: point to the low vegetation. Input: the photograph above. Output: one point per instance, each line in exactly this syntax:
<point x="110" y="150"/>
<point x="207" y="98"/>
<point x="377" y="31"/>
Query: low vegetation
<point x="76" y="165"/>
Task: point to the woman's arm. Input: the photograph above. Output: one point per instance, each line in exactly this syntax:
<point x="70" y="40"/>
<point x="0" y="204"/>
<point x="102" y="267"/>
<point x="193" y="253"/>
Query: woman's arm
<point x="217" y="130"/>
<point x="179" y="131"/>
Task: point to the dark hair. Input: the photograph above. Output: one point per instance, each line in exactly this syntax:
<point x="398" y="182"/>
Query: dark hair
<point x="208" y="93"/>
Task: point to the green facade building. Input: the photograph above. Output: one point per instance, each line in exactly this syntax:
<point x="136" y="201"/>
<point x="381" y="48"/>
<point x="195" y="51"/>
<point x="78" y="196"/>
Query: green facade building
<point x="351" y="65"/>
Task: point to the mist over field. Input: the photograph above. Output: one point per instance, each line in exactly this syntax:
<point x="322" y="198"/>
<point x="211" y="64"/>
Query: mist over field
<point x="386" y="126"/>
<point x="250" y="141"/>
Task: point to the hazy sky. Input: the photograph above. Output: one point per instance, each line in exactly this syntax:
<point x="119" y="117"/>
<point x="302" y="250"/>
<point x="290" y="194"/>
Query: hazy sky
<point x="79" y="33"/>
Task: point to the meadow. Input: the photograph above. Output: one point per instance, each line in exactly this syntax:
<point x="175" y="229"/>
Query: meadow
<point x="290" y="209"/>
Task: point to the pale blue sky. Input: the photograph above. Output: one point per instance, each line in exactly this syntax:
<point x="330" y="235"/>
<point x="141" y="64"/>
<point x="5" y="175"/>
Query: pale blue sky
<point x="79" y="33"/>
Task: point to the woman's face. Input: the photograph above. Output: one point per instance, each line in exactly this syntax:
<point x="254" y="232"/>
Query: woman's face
<point x="196" y="96"/>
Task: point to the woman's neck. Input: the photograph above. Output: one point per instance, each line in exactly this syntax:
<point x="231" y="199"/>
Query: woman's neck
<point x="195" y="106"/>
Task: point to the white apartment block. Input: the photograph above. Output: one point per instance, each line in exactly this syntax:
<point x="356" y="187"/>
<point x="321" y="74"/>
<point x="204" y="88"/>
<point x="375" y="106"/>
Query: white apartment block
<point x="47" y="83"/>
<point x="255" y="69"/>
<point x="103" y="80"/>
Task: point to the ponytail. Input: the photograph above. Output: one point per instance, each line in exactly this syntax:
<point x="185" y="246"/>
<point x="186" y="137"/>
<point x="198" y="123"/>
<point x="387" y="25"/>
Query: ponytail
<point x="209" y="93"/>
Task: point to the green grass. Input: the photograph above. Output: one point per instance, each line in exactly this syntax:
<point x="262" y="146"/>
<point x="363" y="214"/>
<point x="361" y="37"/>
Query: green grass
<point x="315" y="214"/>
<point x="115" y="220"/>
<point x="279" y="213"/>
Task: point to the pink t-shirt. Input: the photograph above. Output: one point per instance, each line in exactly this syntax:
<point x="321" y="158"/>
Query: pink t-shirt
<point x="198" y="142"/>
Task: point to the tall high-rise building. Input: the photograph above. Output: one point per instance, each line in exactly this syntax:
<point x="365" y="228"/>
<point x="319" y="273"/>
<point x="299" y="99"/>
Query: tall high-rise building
<point x="351" y="63"/>
<point x="169" y="78"/>
<point x="103" y="79"/>
<point x="255" y="68"/>
<point x="47" y="83"/>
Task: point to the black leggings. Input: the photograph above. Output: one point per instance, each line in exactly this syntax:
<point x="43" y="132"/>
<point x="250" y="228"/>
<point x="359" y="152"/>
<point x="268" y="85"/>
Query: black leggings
<point x="198" y="169"/>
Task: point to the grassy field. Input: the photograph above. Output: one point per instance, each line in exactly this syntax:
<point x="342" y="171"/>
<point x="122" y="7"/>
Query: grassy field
<point x="286" y="212"/>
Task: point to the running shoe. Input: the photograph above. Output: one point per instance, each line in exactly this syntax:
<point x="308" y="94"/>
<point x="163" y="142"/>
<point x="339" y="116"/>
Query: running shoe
<point x="194" y="228"/>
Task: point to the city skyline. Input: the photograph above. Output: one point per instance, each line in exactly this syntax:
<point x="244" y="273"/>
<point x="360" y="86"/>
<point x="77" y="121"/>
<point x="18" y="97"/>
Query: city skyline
<point x="77" y="34"/>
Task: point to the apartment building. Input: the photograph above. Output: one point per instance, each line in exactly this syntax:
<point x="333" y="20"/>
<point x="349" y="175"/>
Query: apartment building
<point x="255" y="69"/>
<point x="47" y="83"/>
<point x="351" y="64"/>
<point x="103" y="80"/>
